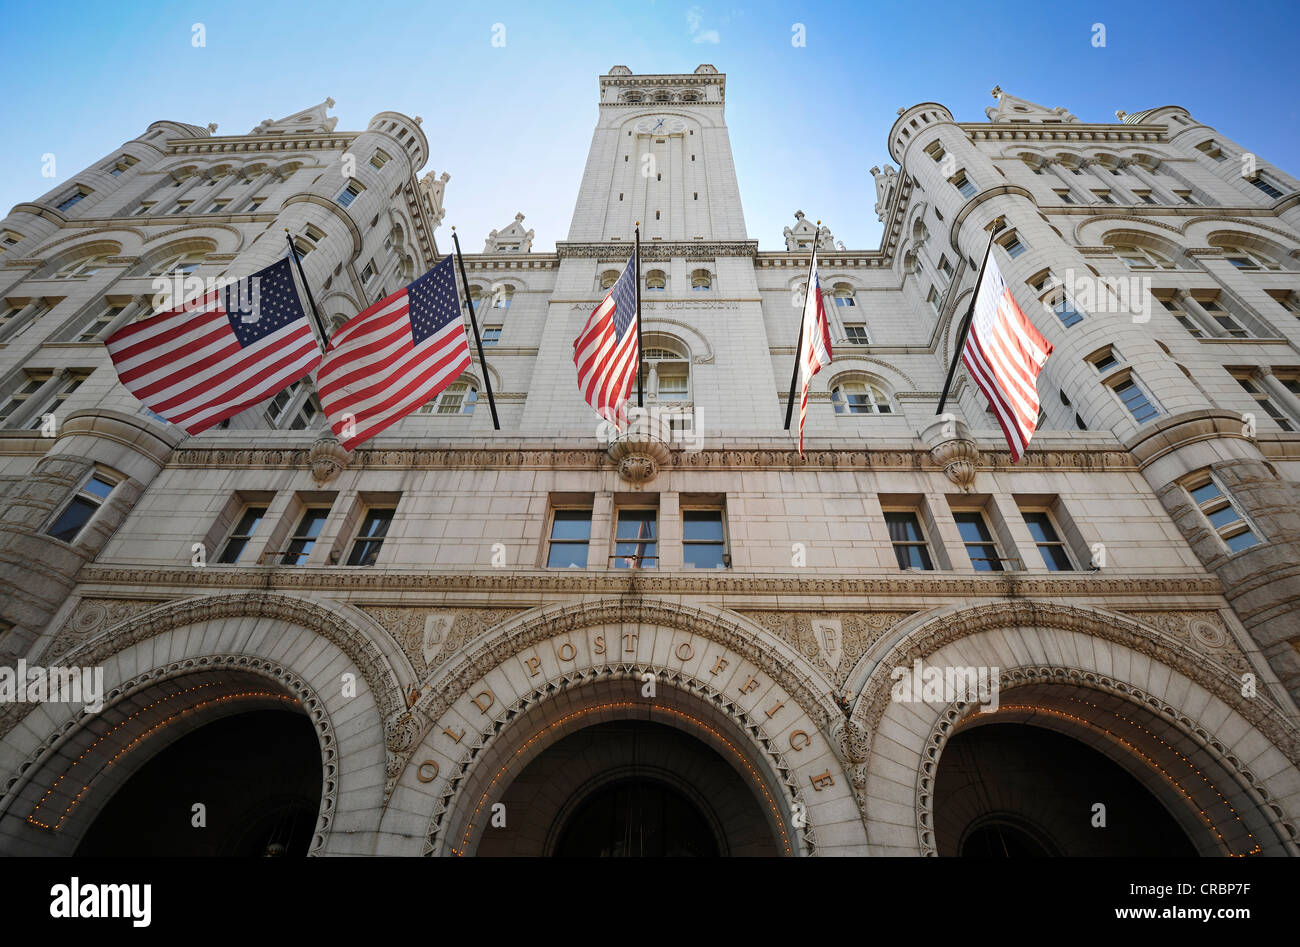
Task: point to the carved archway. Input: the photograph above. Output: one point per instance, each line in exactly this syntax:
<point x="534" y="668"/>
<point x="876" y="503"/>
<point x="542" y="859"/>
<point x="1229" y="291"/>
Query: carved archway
<point x="1114" y="655"/>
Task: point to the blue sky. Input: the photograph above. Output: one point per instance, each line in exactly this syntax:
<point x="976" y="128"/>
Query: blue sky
<point x="512" y="123"/>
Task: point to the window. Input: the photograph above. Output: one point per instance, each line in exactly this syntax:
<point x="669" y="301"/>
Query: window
<point x="1103" y="197"/>
<point x="856" y="332"/>
<point x="1066" y="312"/>
<point x="183" y="207"/>
<point x="843" y="296"/>
<point x="502" y="296"/>
<point x="1011" y="243"/>
<point x="910" y="547"/>
<point x="859" y="397"/>
<point x="1145" y="197"/>
<point x="279" y="405"/>
<point x="1055" y="556"/>
<point x="84" y="266"/>
<point x="20" y="396"/>
<point x="704" y="545"/>
<point x="1230" y="326"/>
<point x="1175" y="309"/>
<point x="218" y="207"/>
<point x="8" y="239"/>
<point x="608" y="279"/>
<point x="254" y="204"/>
<point x="370" y="538"/>
<point x="1260" y="182"/>
<point x="979" y="543"/>
<point x="1247" y="259"/>
<point x="1065" y="197"/>
<point x="655" y="281"/>
<point x="1260" y="395"/>
<point x="1288" y="301"/>
<point x="458" y="398"/>
<point x="304" y="537"/>
<point x="1136" y="400"/>
<point x="701" y="281"/>
<point x="241" y="534"/>
<point x="1211" y="149"/>
<point x="570" y="537"/>
<point x="963" y="184"/>
<point x="1141" y="258"/>
<point x="74" y="198"/>
<point x="349" y="193"/>
<point x="932" y="297"/>
<point x="307" y="414"/>
<point x="945" y="268"/>
<point x="61" y="394"/>
<point x="1184" y="196"/>
<point x="635" y="545"/>
<point x="144" y="210"/>
<point x="491" y="335"/>
<point x="82" y="507"/>
<point x="101" y="322"/>
<point x="1222" y="515"/>
<point x="1106" y="359"/>
<point x="935" y="150"/>
<point x="182" y="263"/>
<point x="673" y="381"/>
<point x="379" y="159"/>
<point x="369" y="273"/>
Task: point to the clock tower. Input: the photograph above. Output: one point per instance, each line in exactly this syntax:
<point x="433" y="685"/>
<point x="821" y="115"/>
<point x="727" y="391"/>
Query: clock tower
<point x="660" y="154"/>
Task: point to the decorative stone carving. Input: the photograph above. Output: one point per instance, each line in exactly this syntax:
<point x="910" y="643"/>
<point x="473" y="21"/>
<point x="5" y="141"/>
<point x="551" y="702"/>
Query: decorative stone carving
<point x="427" y="635"/>
<point x="328" y="458"/>
<point x="952" y="448"/>
<point x="857" y="633"/>
<point x="92" y="616"/>
<point x="639" y="456"/>
<point x="886" y="181"/>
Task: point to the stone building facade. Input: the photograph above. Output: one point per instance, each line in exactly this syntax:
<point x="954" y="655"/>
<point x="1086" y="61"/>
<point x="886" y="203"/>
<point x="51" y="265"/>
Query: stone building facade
<point x="547" y="639"/>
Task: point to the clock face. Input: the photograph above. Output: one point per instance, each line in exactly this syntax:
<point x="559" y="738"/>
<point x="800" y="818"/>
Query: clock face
<point x="661" y="125"/>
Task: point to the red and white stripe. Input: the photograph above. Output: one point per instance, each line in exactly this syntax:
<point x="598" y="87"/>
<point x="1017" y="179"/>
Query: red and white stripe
<point x="815" y="350"/>
<point x="373" y="374"/>
<point x="1004" y="354"/>
<point x="187" y="364"/>
<point x="606" y="365"/>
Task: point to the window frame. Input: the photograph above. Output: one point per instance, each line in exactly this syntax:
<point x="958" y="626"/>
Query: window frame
<point x="86" y="497"/>
<point x="364" y="543"/>
<point x="654" y="541"/>
<point x="1058" y="542"/>
<point x="924" y="543"/>
<point x="1216" y="504"/>
<point x="244" y="538"/>
<point x="551" y="539"/>
<point x="723" y="543"/>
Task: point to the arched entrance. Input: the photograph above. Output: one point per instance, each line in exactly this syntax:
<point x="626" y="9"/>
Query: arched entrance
<point x="125" y="781"/>
<point x="629" y="787"/>
<point x="256" y="775"/>
<point x="1012" y="790"/>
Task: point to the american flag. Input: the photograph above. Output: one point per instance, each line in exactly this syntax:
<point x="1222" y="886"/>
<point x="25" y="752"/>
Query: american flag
<point x="390" y="359"/>
<point x="1004" y="354"/>
<point x="606" y="351"/>
<point x="201" y="363"/>
<point x="815" y="349"/>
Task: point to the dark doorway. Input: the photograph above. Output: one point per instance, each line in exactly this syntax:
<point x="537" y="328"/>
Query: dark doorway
<point x="1015" y="791"/>
<point x="257" y="774"/>
<point x="637" y="818"/>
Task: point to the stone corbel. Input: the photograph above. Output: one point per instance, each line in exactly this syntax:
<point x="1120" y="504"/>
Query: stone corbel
<point x="328" y="458"/>
<point x="952" y="447"/>
<point x="639" y="455"/>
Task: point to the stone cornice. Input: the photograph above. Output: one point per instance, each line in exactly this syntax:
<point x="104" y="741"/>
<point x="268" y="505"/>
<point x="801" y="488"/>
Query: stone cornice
<point x="1064" y="132"/>
<point x="891" y="455"/>
<point x="258" y="143"/>
<point x="658" y="250"/>
<point x="1090" y="586"/>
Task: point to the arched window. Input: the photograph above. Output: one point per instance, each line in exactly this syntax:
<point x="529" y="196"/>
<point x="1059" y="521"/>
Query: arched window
<point x="608" y="279"/>
<point x="633" y="97"/>
<point x="857" y="396"/>
<point x="656" y="281"/>
<point x="843" y="295"/>
<point x="459" y="397"/>
<point x="84" y="266"/>
<point x="701" y="281"/>
<point x="184" y="263"/>
<point x="666" y="369"/>
<point x="1141" y="258"/>
<point x="663" y="97"/>
<point x="1244" y="259"/>
<point x="501" y="296"/>
<point x="690" y="97"/>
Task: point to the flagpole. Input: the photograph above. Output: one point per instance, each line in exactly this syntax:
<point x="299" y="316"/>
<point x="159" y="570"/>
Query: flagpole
<point x="478" y="342"/>
<point x="965" y="323"/>
<point x="640" y="398"/>
<point x="320" y="324"/>
<point x="798" y="348"/>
